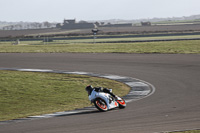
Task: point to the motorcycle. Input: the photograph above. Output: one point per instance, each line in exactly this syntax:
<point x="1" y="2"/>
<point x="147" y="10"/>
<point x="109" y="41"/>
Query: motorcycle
<point x="104" y="101"/>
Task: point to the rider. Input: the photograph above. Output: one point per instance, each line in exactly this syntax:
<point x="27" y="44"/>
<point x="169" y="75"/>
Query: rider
<point x="89" y="89"/>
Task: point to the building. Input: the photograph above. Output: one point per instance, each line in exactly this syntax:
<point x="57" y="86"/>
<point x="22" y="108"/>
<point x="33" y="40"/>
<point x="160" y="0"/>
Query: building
<point x="146" y="23"/>
<point x="71" y="24"/>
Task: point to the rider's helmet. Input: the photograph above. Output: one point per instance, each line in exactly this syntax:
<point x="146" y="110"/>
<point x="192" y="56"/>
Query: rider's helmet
<point x="89" y="89"/>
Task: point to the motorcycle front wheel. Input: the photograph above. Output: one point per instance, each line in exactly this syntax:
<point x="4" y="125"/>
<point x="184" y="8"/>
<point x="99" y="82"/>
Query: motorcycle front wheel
<point x="122" y="103"/>
<point x="100" y="104"/>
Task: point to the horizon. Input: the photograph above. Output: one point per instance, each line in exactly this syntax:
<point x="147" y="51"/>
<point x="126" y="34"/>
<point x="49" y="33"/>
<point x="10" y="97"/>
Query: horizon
<point x="90" y="10"/>
<point x="101" y="20"/>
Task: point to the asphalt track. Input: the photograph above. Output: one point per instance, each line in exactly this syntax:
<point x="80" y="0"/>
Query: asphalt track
<point x="175" y="105"/>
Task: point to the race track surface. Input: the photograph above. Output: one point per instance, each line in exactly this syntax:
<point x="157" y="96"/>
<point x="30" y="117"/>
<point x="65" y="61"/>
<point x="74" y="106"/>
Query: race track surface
<point x="175" y="105"/>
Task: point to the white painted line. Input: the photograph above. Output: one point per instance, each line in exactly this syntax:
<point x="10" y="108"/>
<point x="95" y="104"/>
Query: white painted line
<point x="113" y="77"/>
<point x="35" y="70"/>
<point x="61" y="113"/>
<point x="128" y="101"/>
<point x="136" y="84"/>
<point x="76" y="73"/>
<point x="39" y="116"/>
<point x="50" y="115"/>
<point x="140" y="93"/>
<point x="71" y="112"/>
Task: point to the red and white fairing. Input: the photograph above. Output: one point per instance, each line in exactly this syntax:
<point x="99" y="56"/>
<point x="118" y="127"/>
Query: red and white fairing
<point x="110" y="102"/>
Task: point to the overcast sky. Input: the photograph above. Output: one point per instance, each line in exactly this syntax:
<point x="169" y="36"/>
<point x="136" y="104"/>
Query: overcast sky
<point x="57" y="10"/>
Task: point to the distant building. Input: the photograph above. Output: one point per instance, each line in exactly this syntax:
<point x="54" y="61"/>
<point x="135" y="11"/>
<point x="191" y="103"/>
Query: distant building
<point x="72" y="21"/>
<point x="146" y="23"/>
<point x="71" y="24"/>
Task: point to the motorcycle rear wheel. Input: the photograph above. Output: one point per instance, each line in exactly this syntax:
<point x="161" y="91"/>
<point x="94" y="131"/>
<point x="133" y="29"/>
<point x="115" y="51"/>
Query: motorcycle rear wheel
<point x="100" y="104"/>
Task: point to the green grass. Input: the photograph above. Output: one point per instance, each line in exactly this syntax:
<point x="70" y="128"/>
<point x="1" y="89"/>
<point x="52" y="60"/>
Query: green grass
<point x="186" y="47"/>
<point x="25" y="94"/>
<point x="86" y="46"/>
<point x="121" y="38"/>
<point x="132" y="38"/>
<point x="192" y="131"/>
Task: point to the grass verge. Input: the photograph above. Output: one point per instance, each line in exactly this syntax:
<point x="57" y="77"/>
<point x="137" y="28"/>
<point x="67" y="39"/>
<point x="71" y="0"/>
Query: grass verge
<point x="25" y="94"/>
<point x="192" y="131"/>
<point x="172" y="47"/>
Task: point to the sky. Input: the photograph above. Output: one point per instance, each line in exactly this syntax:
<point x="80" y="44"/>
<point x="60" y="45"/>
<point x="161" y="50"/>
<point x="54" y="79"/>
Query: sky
<point x="58" y="10"/>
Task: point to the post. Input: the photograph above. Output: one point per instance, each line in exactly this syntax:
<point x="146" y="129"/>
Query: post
<point x="94" y="35"/>
<point x="95" y="30"/>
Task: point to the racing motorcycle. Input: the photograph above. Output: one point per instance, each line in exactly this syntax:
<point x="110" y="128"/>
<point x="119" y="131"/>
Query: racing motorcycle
<point x="104" y="101"/>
